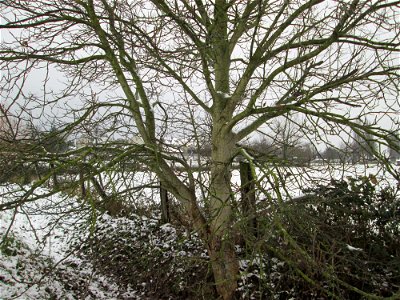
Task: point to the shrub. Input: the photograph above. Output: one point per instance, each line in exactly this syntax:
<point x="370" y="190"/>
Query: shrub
<point x="338" y="241"/>
<point x="158" y="261"/>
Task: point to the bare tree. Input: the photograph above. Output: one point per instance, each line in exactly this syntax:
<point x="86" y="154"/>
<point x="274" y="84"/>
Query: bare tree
<point x="334" y="154"/>
<point x="363" y="147"/>
<point x="241" y="63"/>
<point x="394" y="150"/>
<point x="286" y="136"/>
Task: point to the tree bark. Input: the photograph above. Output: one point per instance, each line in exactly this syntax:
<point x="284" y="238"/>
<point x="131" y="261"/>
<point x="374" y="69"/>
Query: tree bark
<point x="223" y="258"/>
<point x="225" y="266"/>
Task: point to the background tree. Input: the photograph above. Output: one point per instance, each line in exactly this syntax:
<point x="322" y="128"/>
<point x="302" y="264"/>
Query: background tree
<point x="270" y="149"/>
<point x="394" y="149"/>
<point x="145" y="66"/>
<point x="286" y="136"/>
<point x="334" y="154"/>
<point x="52" y="141"/>
<point x="364" y="147"/>
<point x="55" y="143"/>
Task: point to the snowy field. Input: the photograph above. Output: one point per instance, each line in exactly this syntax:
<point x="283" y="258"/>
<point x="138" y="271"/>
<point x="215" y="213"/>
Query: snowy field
<point x="35" y="257"/>
<point x="292" y="180"/>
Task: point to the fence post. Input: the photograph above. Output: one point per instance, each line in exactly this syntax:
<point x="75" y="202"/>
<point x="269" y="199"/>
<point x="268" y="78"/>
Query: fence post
<point x="82" y="183"/>
<point x="247" y="182"/>
<point x="165" y="216"/>
<point x="54" y="176"/>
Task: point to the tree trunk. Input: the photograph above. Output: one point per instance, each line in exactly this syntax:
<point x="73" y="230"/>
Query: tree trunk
<point x="225" y="266"/>
<point x="224" y="262"/>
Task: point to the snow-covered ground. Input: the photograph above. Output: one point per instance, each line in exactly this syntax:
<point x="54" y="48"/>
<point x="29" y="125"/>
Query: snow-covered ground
<point x="296" y="179"/>
<point x="291" y="180"/>
<point x="35" y="257"/>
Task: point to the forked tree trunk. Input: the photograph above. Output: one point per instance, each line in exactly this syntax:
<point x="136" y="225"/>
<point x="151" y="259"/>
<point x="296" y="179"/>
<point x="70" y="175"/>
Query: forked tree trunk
<point x="218" y="236"/>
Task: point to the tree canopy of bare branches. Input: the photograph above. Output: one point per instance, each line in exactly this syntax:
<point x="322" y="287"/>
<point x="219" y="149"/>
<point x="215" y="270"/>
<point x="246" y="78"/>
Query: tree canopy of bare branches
<point x="195" y="69"/>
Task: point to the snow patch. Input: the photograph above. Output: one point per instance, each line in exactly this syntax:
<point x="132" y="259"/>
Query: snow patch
<point x="351" y="248"/>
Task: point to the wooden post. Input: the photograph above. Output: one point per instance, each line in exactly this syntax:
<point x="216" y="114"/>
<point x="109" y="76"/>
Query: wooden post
<point x="248" y="195"/>
<point x="165" y="216"/>
<point x="82" y="183"/>
<point x="55" y="180"/>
